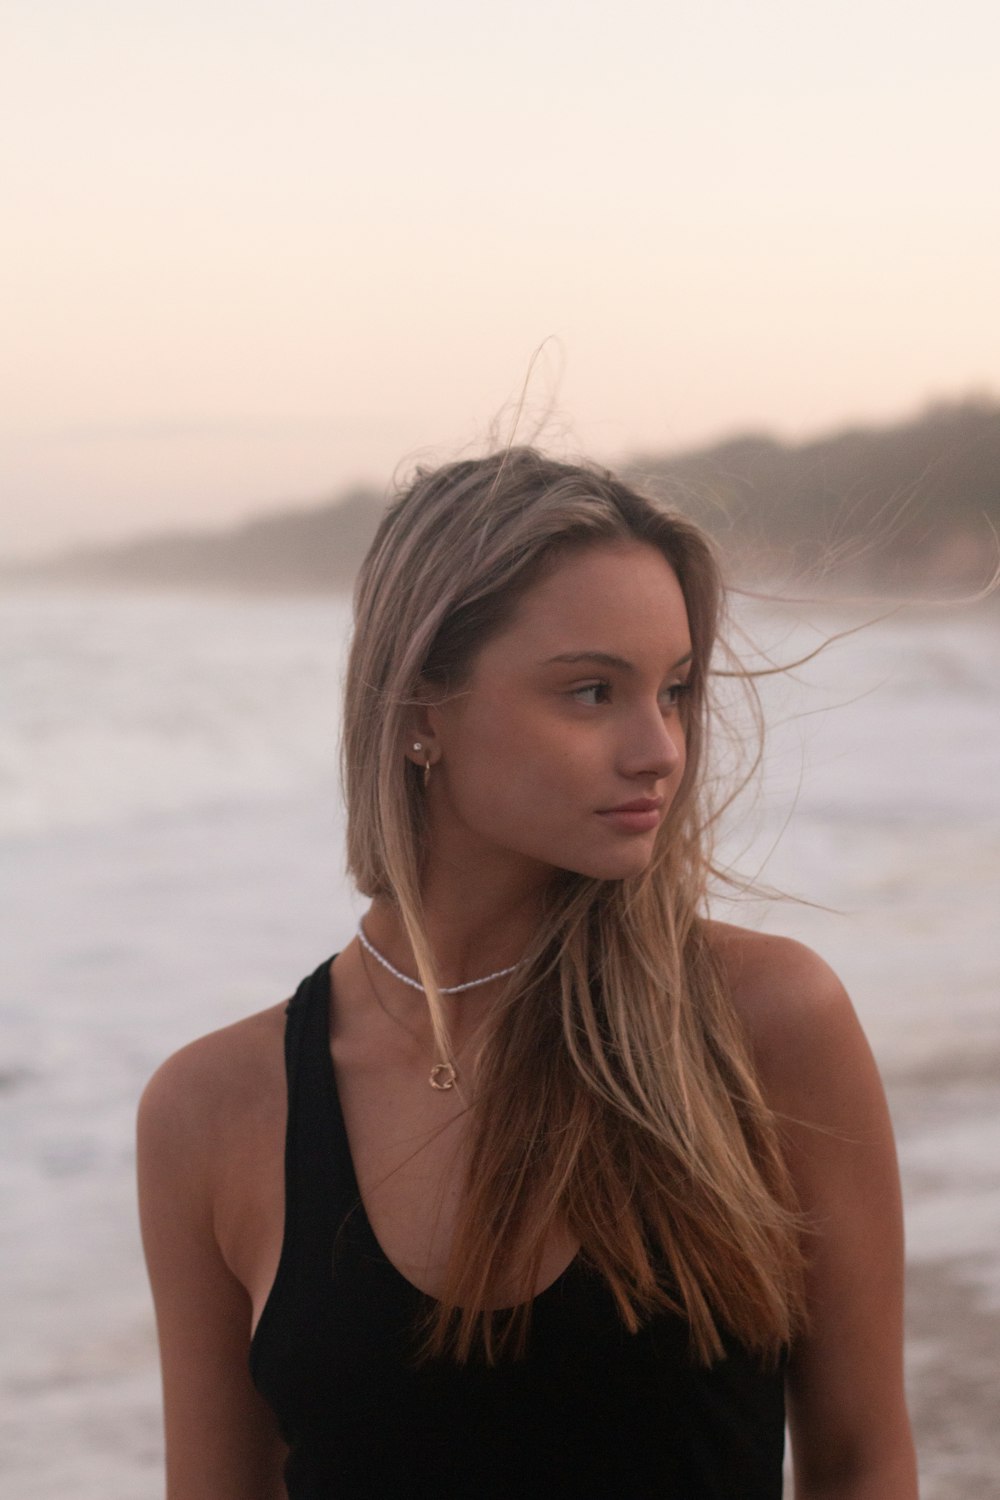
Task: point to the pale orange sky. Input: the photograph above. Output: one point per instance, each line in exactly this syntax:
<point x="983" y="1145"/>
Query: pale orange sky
<point x="258" y="251"/>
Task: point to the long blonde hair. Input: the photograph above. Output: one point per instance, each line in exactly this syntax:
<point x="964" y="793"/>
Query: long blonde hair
<point x="615" y="1095"/>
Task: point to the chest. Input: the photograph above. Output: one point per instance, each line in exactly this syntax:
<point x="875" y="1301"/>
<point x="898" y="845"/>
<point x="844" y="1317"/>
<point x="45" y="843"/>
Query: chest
<point x="397" y="1145"/>
<point x="407" y="1144"/>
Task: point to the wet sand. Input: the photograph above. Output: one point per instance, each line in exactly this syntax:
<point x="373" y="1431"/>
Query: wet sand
<point x="953" y="1274"/>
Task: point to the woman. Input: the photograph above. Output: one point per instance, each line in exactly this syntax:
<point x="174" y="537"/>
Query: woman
<point x="546" y="1184"/>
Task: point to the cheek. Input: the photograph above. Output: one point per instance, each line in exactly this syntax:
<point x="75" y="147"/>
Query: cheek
<point x="519" y="773"/>
<point x="510" y="765"/>
<point x="505" y="732"/>
<point x="680" y="771"/>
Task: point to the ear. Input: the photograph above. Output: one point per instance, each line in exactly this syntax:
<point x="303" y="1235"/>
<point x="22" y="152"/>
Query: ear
<point x="422" y="725"/>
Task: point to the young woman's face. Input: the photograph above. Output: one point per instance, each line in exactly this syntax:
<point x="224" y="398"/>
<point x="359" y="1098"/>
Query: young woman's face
<point x="533" y="754"/>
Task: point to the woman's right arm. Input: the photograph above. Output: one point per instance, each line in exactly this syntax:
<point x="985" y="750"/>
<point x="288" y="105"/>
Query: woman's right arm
<point x="222" y="1441"/>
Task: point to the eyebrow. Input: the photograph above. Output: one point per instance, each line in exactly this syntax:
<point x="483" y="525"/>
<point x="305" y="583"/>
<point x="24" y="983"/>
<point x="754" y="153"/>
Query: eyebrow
<point x="606" y="659"/>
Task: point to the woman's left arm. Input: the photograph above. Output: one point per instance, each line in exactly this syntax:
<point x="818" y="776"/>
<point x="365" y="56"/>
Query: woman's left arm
<point x="848" y="1421"/>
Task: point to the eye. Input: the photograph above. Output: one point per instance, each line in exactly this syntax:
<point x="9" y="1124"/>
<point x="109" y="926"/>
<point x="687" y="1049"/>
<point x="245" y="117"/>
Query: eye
<point x="591" y="687"/>
<point x="675" y="692"/>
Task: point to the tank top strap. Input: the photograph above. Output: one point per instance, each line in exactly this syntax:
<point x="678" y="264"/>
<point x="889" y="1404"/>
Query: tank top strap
<point x="320" y="1189"/>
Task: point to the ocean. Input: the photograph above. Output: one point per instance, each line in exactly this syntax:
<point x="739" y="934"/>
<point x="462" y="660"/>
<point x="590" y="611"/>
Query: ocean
<point x="171" y="841"/>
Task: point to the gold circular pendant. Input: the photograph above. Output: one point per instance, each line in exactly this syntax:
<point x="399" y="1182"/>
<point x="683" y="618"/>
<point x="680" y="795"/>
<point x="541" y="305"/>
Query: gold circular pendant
<point x="443" y="1076"/>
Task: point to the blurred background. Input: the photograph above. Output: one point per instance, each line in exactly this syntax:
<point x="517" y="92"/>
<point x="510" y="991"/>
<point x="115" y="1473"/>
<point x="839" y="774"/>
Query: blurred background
<point x="262" y="261"/>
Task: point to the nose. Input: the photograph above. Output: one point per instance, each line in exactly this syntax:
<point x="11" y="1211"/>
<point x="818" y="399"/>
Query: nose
<point x="655" y="746"/>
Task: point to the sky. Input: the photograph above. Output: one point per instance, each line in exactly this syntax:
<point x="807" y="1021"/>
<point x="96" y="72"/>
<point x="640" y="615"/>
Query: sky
<point x="256" y="253"/>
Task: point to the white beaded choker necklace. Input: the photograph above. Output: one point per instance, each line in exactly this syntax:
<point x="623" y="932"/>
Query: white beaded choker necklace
<point x="450" y="989"/>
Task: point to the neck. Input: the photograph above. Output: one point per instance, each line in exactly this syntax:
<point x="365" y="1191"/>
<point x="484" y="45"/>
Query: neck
<point x="466" y="944"/>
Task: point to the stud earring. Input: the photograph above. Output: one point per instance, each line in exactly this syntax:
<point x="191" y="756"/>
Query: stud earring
<point x="427" y="764"/>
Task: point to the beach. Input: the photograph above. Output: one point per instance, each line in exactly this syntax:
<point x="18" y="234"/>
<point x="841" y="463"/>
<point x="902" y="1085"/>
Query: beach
<point x="171" y="859"/>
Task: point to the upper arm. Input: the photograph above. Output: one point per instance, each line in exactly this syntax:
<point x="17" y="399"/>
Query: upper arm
<point x="221" y="1438"/>
<point x="846" y="1400"/>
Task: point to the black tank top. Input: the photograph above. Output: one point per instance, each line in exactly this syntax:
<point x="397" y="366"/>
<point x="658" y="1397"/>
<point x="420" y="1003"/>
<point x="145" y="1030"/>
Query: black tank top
<point x="590" y="1413"/>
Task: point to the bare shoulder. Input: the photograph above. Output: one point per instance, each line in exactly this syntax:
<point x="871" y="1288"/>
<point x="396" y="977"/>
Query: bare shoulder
<point x="213" y="1087"/>
<point x="799" y="1020"/>
<point x="846" y="1400"/>
<point x="772" y="978"/>
<point x="208" y="1131"/>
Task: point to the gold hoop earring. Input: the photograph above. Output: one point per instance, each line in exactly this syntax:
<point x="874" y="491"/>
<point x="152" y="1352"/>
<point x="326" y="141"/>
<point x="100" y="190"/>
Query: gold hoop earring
<point x="427" y="763"/>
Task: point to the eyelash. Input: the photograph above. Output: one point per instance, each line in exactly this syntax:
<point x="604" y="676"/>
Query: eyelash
<point x="679" y="689"/>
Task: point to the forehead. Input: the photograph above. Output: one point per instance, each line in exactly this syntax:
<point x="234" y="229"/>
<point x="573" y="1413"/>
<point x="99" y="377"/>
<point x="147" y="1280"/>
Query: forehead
<point x="622" y="597"/>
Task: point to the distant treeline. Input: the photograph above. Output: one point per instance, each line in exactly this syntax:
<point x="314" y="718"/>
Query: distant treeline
<point x="895" y="508"/>
<point x="892" y="507"/>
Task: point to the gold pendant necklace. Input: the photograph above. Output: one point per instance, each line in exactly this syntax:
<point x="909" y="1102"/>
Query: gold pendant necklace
<point x="443" y="1075"/>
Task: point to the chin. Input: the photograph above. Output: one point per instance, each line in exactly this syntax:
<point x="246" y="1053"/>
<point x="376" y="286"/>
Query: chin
<point x="612" y="867"/>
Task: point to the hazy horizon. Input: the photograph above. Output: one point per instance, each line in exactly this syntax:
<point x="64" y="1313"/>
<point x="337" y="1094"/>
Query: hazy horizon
<point x="156" y="524"/>
<point x="263" y="254"/>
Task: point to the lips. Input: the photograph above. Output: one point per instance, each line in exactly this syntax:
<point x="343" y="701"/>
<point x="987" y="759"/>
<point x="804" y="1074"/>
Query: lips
<point x="642" y="804"/>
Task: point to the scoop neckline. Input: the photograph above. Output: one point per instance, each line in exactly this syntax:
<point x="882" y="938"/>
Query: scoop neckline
<point x="364" y="1222"/>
